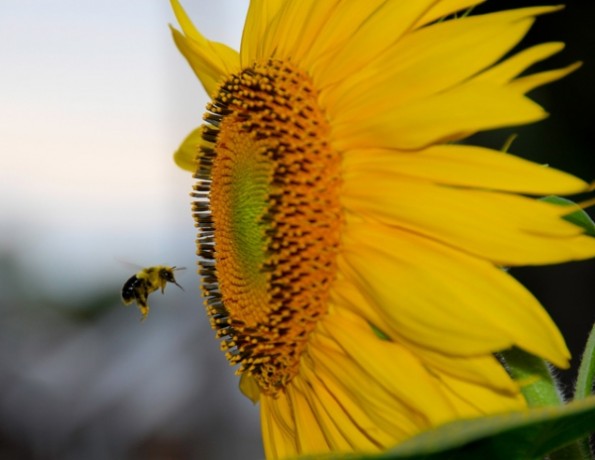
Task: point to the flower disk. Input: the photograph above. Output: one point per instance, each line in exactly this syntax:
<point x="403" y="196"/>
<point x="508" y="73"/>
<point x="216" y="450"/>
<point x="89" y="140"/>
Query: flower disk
<point x="267" y="206"/>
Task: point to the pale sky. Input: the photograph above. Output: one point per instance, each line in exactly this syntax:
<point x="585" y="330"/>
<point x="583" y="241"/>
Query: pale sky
<point x="94" y="98"/>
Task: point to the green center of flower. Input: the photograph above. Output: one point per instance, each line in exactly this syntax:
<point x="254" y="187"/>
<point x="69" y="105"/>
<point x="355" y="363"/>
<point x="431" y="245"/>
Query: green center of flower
<point x="267" y="206"/>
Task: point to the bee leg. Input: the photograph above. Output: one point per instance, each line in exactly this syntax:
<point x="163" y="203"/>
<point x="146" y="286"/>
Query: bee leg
<point x="176" y="283"/>
<point x="144" y="310"/>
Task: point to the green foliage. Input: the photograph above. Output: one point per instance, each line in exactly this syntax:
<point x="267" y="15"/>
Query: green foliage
<point x="577" y="217"/>
<point x="533" y="374"/>
<point x="586" y="376"/>
<point x="586" y="372"/>
<point x="527" y="435"/>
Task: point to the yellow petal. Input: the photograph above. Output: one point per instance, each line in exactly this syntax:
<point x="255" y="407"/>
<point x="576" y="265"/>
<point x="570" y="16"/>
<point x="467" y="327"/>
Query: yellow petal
<point x="311" y="439"/>
<point x="296" y="30"/>
<point x="466" y="166"/>
<point x="249" y="388"/>
<point x="513" y="66"/>
<point x="387" y="418"/>
<point x="484" y="385"/>
<point x="339" y="435"/>
<point x="259" y="17"/>
<point x="286" y="29"/>
<point x="394" y="367"/>
<point x="278" y="428"/>
<point x="346" y="18"/>
<point x="446" y="116"/>
<point x="370" y="36"/>
<point x="186" y="155"/>
<point x="185" y="22"/>
<point x="445" y="8"/>
<point x="520" y="13"/>
<point x="505" y="229"/>
<point x="481" y="370"/>
<point x="348" y="409"/>
<point x="471" y="399"/>
<point x="211" y="61"/>
<point x="423" y="63"/>
<point x="525" y="84"/>
<point x="445" y="300"/>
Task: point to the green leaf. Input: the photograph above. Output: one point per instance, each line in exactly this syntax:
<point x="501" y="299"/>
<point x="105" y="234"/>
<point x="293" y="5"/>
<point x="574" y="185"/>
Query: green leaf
<point x="585" y="377"/>
<point x="586" y="372"/>
<point x="526" y="435"/>
<point x="578" y="217"/>
<point x="379" y="332"/>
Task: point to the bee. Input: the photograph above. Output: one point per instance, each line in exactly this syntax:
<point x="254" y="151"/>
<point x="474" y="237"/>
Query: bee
<point x="145" y="282"/>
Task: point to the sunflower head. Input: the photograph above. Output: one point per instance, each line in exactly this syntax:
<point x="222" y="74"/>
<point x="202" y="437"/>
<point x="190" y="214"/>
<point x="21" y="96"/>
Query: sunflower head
<point x="350" y="249"/>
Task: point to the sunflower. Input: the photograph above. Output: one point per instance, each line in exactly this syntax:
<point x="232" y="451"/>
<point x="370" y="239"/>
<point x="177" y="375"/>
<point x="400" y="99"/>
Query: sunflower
<point x="350" y="248"/>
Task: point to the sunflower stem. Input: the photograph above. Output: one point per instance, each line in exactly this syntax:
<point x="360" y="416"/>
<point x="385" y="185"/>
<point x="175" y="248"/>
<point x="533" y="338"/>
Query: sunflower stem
<point x="534" y="375"/>
<point x="540" y="389"/>
<point x="586" y="372"/>
<point x="585" y="378"/>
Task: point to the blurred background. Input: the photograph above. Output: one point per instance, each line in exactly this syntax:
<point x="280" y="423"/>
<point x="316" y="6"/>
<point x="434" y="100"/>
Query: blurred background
<point x="94" y="98"/>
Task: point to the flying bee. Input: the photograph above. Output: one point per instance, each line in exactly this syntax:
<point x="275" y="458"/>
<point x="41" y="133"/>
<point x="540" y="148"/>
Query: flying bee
<point x="148" y="280"/>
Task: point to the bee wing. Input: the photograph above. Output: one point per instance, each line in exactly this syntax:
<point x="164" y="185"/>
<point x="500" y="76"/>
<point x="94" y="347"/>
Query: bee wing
<point x="128" y="264"/>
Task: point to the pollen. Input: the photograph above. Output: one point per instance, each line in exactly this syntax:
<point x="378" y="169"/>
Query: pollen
<point x="269" y="216"/>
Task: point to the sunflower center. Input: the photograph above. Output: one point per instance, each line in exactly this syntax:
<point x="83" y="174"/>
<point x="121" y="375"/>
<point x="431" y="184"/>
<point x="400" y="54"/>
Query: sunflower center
<point x="269" y="217"/>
